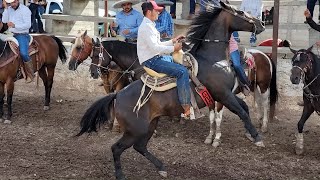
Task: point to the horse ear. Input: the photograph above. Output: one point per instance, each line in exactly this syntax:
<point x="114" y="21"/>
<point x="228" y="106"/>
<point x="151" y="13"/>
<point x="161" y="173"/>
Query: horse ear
<point x="85" y="33"/>
<point x="98" y="42"/>
<point x="292" y="50"/>
<point x="310" y="49"/>
<point x="73" y="40"/>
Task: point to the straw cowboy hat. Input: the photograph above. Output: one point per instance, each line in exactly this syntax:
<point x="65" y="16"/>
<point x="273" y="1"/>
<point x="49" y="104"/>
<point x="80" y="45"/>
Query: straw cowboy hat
<point x="118" y="4"/>
<point x="9" y="1"/>
<point x="164" y="3"/>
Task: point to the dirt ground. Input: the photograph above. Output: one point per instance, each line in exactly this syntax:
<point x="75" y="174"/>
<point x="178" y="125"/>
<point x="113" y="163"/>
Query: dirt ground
<point x="40" y="145"/>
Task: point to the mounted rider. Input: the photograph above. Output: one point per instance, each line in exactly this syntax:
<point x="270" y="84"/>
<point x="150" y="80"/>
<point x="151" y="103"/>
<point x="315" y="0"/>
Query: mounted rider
<point x="127" y="20"/>
<point x="18" y="18"/>
<point x="151" y="52"/>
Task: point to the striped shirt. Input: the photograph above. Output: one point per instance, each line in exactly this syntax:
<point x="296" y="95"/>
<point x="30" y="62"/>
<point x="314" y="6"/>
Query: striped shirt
<point x="164" y="24"/>
<point x="21" y="18"/>
<point x="254" y="7"/>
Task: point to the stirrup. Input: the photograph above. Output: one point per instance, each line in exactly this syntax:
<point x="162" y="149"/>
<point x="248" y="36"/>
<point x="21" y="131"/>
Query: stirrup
<point x="190" y="116"/>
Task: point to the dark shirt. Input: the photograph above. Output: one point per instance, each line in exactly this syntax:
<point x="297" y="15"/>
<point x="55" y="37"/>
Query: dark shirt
<point x="313" y="24"/>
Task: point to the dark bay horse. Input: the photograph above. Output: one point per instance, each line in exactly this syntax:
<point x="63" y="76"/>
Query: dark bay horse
<point x="306" y="68"/>
<point x="211" y="32"/>
<point x="262" y="75"/>
<point x="44" y="61"/>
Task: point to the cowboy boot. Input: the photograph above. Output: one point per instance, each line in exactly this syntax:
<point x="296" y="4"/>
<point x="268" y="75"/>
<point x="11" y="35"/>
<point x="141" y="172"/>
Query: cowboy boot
<point x="29" y="71"/>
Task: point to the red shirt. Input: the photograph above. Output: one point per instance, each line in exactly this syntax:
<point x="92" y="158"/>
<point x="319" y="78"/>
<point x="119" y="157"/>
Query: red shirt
<point x="268" y="42"/>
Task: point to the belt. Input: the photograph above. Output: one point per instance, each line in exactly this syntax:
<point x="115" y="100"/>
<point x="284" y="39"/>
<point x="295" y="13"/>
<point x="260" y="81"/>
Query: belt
<point x="20" y="33"/>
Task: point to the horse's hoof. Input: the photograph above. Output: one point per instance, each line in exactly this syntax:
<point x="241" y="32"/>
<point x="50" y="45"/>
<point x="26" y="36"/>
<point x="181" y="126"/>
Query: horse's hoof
<point x="208" y="140"/>
<point x="264" y="129"/>
<point x="7" y="121"/>
<point x="248" y="135"/>
<point x="163" y="174"/>
<point x="260" y="144"/>
<point x="299" y="151"/>
<point x="215" y="144"/>
<point x="46" y="108"/>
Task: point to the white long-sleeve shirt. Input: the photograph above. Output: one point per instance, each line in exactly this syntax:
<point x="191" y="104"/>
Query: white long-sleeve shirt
<point x="148" y="42"/>
<point x="252" y="6"/>
<point x="20" y="17"/>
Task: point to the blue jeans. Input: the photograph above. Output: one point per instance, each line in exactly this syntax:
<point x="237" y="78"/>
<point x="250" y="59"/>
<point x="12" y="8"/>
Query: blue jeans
<point x="165" y="64"/>
<point x="192" y="7"/>
<point x="253" y="38"/>
<point x="23" y="40"/>
<point x="235" y="57"/>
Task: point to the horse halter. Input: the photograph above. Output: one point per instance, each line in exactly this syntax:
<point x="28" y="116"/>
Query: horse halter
<point x="83" y="48"/>
<point x="309" y="62"/>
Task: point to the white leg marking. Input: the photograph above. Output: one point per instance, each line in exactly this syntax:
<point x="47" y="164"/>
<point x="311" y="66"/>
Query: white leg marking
<point x="217" y="138"/>
<point x="211" y="118"/>
<point x="299" y="143"/>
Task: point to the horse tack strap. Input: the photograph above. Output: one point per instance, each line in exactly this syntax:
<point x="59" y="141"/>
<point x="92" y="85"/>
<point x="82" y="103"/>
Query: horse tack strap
<point x="205" y="95"/>
<point x="11" y="59"/>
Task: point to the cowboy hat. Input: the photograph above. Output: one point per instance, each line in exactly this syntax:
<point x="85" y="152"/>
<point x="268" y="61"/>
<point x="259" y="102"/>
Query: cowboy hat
<point x="118" y="4"/>
<point x="9" y="1"/>
<point x="164" y="3"/>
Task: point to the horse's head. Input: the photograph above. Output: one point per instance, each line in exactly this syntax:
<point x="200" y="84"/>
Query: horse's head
<point x="81" y="50"/>
<point x="301" y="63"/>
<point x="240" y="21"/>
<point x="100" y="60"/>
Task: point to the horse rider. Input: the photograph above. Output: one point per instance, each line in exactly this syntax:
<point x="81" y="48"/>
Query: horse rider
<point x="127" y="20"/>
<point x="151" y="52"/>
<point x="235" y="58"/>
<point x="18" y="18"/>
<point x="164" y="23"/>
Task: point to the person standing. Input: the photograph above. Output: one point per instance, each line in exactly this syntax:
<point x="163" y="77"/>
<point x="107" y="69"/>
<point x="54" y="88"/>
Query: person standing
<point x="36" y="21"/>
<point x="310" y="6"/>
<point x="164" y="23"/>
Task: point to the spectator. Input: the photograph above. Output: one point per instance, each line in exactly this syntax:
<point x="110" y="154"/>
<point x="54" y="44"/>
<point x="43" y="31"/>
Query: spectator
<point x="164" y="23"/>
<point x="253" y="7"/>
<point x="42" y="6"/>
<point x="191" y="10"/>
<point x="310" y="5"/>
<point x="36" y="22"/>
<point x="127" y="21"/>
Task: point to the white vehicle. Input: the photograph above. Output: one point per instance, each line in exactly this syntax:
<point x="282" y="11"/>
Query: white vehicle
<point x="54" y="7"/>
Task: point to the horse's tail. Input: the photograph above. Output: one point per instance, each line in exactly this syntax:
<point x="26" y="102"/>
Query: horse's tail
<point x="273" y="85"/>
<point x="97" y="114"/>
<point x="62" y="49"/>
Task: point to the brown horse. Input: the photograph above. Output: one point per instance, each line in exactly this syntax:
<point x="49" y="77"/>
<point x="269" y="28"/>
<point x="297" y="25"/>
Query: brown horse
<point x="262" y="75"/>
<point x="210" y="32"/>
<point x="44" y="61"/>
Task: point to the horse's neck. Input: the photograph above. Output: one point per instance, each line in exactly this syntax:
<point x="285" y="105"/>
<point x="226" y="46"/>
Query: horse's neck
<point x="214" y="51"/>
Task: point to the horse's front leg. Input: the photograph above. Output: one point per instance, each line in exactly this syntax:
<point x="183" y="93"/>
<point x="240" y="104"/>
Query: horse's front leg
<point x="1" y="100"/>
<point x="211" y="121"/>
<point x="307" y="111"/>
<point x="217" y="138"/>
<point x="10" y="89"/>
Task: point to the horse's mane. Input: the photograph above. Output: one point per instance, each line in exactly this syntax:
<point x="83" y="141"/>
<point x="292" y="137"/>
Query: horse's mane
<point x="121" y="47"/>
<point x="201" y="24"/>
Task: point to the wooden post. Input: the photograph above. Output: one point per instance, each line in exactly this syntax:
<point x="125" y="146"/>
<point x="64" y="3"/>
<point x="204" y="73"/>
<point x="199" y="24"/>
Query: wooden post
<point x="106" y="24"/>
<point x="275" y="45"/>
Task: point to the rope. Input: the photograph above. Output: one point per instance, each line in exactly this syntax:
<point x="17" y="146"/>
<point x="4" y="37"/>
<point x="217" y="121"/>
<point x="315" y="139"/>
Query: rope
<point x="148" y="96"/>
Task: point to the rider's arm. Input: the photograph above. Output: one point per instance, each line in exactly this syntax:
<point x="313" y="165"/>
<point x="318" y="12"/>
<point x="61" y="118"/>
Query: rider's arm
<point x="313" y="24"/>
<point x="153" y="43"/>
<point x="5" y="16"/>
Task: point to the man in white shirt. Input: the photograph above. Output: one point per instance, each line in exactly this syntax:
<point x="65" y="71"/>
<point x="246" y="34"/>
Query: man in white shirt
<point x="18" y="18"/>
<point x="151" y="52"/>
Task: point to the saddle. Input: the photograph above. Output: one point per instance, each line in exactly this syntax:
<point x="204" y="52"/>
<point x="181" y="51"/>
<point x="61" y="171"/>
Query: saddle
<point x="162" y="82"/>
<point x="14" y="45"/>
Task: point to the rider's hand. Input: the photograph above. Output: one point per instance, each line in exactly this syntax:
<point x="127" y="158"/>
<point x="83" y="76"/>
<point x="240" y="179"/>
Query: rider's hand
<point x="177" y="46"/>
<point x="126" y="31"/>
<point x="307" y="13"/>
<point x="178" y="38"/>
<point x="11" y="24"/>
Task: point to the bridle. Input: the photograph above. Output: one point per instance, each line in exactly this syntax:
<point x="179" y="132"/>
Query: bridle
<point x="306" y="90"/>
<point x="83" y="48"/>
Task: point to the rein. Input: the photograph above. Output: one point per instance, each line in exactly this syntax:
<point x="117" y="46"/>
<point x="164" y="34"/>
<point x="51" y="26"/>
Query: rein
<point x="306" y="90"/>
